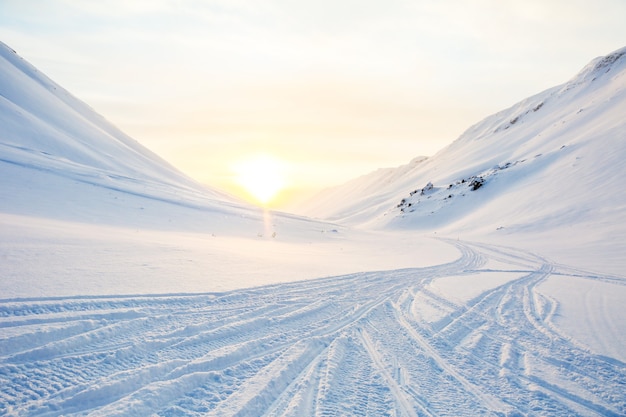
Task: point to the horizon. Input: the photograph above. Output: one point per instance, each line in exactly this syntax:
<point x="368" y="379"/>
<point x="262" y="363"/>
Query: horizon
<point x="331" y="92"/>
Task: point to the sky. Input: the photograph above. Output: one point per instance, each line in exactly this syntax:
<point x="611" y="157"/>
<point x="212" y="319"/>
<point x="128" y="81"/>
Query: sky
<point x="328" y="90"/>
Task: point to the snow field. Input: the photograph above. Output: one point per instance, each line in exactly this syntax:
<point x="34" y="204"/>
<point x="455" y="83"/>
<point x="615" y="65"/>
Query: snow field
<point x="347" y="345"/>
<point x="590" y="312"/>
<point x="43" y="258"/>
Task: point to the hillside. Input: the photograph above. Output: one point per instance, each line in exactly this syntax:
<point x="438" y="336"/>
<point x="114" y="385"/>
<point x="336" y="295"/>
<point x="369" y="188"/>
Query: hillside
<point x="550" y="166"/>
<point x="60" y="159"/>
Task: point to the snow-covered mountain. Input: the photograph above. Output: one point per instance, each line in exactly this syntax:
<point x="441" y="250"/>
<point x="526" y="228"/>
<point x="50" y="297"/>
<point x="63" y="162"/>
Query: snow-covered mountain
<point x="59" y="159"/>
<point x="571" y="138"/>
<point x="552" y="162"/>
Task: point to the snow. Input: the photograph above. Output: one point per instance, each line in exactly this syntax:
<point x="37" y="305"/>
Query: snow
<point x="340" y="345"/>
<point x="488" y="279"/>
<point x="590" y="312"/>
<point x="43" y="257"/>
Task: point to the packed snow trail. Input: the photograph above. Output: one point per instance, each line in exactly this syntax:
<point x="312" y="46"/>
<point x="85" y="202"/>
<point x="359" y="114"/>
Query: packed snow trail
<point x="373" y="344"/>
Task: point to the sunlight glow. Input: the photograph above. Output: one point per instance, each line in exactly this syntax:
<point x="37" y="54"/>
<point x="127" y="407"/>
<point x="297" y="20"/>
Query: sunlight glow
<point x="262" y="176"/>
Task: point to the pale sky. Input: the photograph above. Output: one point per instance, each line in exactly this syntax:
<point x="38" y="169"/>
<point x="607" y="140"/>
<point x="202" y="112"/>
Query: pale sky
<point x="334" y="89"/>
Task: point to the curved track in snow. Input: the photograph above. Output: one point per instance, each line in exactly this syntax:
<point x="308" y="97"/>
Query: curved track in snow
<point x="376" y="343"/>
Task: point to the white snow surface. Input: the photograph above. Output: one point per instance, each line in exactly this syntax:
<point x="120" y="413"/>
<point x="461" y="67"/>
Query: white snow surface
<point x="128" y="289"/>
<point x="351" y="345"/>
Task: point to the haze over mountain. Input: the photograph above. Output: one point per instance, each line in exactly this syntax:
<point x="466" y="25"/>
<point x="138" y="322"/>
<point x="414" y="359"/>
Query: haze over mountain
<point x="488" y="279"/>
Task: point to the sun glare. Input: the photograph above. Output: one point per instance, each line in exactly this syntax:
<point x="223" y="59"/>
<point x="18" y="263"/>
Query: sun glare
<point x="261" y="176"/>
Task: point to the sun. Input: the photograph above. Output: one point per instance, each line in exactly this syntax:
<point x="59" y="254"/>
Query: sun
<point x="262" y="176"/>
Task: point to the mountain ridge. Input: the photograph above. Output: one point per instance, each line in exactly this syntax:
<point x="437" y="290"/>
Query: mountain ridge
<point x="61" y="160"/>
<point x="42" y="118"/>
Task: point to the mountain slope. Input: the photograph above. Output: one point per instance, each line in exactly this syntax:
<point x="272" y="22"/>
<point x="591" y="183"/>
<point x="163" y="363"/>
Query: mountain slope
<point x="60" y="159"/>
<point x="42" y="119"/>
<point x="359" y="195"/>
<point x="552" y="160"/>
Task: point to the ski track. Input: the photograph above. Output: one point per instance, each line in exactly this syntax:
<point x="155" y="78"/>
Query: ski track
<point x="349" y="345"/>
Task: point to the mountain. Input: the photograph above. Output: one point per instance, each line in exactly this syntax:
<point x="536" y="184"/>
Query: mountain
<point x="553" y="163"/>
<point x="60" y="159"/>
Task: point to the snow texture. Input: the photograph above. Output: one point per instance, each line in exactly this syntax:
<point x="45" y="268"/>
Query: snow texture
<point x="351" y="345"/>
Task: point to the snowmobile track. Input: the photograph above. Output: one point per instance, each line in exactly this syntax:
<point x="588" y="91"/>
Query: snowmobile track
<point x="348" y="345"/>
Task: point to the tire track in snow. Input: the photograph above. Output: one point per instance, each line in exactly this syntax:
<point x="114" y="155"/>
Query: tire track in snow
<point x="346" y="345"/>
<point x="546" y="346"/>
<point x="492" y="403"/>
<point x="406" y="403"/>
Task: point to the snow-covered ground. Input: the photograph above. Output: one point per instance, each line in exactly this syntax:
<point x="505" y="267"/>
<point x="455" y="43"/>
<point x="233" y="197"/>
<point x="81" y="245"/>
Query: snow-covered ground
<point x="43" y="257"/>
<point x="128" y="289"/>
<point x="479" y="335"/>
